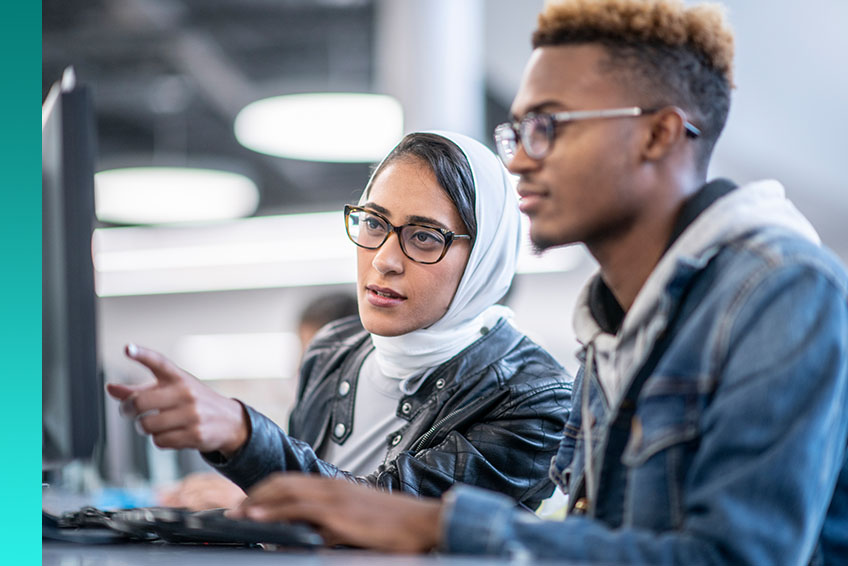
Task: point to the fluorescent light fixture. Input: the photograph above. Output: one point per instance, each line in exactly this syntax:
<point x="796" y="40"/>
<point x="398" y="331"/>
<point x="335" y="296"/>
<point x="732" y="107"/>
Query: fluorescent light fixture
<point x="163" y="195"/>
<point x="253" y="253"/>
<point x="337" y="127"/>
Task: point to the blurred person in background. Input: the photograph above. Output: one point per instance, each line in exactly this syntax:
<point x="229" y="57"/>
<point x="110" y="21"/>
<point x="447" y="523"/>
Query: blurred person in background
<point x="439" y="388"/>
<point x="210" y="490"/>
<point x="322" y="311"/>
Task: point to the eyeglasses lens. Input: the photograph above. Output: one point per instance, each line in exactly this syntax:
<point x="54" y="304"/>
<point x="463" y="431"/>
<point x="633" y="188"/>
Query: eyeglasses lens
<point x="365" y="229"/>
<point x="423" y="244"/>
<point x="419" y="243"/>
<point x="536" y="135"/>
<point x="505" y="141"/>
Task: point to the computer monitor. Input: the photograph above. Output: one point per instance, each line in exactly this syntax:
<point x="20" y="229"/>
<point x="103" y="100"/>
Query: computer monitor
<point x="72" y="398"/>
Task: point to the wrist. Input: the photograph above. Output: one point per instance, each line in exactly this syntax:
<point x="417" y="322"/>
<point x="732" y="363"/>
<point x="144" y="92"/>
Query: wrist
<point x="240" y="432"/>
<point x="437" y="526"/>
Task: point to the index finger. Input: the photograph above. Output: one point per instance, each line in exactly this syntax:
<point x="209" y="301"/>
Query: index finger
<point x="163" y="369"/>
<point x="282" y="487"/>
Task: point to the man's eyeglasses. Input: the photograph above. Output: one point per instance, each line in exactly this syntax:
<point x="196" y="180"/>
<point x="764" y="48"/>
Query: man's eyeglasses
<point x="419" y="242"/>
<point x="536" y="131"/>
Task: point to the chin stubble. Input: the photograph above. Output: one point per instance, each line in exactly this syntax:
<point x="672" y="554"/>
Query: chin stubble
<point x="540" y="245"/>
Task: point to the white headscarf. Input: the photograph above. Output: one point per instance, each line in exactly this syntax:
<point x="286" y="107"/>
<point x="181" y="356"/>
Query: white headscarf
<point x="487" y="277"/>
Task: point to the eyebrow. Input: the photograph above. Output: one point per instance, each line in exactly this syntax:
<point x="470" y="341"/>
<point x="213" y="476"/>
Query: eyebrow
<point x="427" y="220"/>
<point x="378" y="208"/>
<point x="415" y="219"/>
<point x="541" y="107"/>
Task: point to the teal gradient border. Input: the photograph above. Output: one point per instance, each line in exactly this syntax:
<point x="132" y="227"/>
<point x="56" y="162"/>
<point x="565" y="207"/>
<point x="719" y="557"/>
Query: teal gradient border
<point x="20" y="289"/>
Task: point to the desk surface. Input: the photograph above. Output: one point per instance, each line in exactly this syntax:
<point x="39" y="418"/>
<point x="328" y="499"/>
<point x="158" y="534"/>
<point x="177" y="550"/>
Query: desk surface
<point x="138" y="554"/>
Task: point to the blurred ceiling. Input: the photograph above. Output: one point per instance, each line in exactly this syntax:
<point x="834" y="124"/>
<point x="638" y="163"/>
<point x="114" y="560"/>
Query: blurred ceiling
<point x="169" y="77"/>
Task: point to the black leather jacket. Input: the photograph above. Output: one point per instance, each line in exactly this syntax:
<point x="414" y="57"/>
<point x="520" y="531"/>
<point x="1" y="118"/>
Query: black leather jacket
<point x="491" y="417"/>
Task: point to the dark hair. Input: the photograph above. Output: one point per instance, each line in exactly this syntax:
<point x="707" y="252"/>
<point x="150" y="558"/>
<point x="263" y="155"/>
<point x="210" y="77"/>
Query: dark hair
<point x="449" y="165"/>
<point x="668" y="53"/>
<point x="327" y="308"/>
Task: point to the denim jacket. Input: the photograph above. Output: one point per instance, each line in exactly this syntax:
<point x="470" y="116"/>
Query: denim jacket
<point x="733" y="450"/>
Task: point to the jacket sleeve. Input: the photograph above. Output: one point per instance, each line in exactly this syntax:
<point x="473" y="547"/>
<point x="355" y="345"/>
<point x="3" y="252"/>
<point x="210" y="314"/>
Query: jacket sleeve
<point x="508" y="449"/>
<point x="773" y="445"/>
<point x="527" y="425"/>
<point x="268" y="450"/>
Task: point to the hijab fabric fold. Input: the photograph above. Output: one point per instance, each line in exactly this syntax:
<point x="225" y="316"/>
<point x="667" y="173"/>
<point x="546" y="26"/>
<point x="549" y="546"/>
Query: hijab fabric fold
<point x="487" y="277"/>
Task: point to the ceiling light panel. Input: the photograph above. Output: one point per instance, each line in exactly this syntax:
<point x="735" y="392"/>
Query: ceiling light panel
<point x="335" y="127"/>
<point x="164" y="195"/>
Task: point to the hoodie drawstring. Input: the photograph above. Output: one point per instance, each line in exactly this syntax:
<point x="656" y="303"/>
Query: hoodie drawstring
<point x="586" y="425"/>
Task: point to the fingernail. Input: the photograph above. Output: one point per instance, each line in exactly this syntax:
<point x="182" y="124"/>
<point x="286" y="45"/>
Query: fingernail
<point x="127" y="408"/>
<point x="138" y="428"/>
<point x="132" y="350"/>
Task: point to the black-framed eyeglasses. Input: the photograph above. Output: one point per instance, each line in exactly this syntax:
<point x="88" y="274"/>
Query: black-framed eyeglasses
<point x="536" y="131"/>
<point x="419" y="242"/>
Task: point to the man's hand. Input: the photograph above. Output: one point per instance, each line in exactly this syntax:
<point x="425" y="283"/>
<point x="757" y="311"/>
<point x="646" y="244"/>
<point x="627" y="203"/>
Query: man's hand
<point x="346" y="513"/>
<point x="178" y="411"/>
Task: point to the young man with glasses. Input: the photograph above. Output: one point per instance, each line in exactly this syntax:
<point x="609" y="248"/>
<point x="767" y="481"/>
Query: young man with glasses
<point x="714" y="386"/>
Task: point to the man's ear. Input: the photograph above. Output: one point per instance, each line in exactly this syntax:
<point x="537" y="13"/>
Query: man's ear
<point x="667" y="130"/>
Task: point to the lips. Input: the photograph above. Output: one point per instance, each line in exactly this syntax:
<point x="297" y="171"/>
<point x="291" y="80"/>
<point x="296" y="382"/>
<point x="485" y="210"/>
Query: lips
<point x="383" y="296"/>
<point x="529" y="199"/>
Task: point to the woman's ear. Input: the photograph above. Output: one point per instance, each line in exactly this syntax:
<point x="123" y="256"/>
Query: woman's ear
<point x="667" y="130"/>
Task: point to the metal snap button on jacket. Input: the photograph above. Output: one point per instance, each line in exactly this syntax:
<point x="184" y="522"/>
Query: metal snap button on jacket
<point x="344" y="388"/>
<point x="339" y="430"/>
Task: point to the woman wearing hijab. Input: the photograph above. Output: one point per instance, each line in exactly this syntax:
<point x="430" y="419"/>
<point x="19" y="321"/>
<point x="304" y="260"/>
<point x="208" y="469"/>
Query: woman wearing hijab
<point x="431" y="385"/>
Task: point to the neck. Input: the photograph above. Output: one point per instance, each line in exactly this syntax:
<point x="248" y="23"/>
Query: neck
<point x="628" y="262"/>
<point x="628" y="257"/>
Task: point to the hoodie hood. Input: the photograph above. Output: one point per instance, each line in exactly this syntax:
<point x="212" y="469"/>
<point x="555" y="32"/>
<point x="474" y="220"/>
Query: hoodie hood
<point x="751" y="207"/>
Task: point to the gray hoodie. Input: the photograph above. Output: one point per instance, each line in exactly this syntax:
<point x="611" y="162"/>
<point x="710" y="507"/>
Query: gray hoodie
<point x="617" y="357"/>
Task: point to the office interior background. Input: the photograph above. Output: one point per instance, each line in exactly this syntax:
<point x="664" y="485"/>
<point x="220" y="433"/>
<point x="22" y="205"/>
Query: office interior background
<point x="222" y="296"/>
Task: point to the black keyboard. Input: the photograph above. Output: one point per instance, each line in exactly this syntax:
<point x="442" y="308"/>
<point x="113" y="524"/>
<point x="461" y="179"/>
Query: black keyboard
<point x="176" y="526"/>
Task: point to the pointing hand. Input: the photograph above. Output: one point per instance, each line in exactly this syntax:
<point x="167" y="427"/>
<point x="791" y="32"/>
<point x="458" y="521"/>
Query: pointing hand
<point x="178" y="411"/>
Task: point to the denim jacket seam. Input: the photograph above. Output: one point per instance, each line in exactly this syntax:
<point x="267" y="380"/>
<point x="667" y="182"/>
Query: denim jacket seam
<point x="771" y="261"/>
<point x="731" y="316"/>
<point x="771" y="266"/>
<point x="673" y="488"/>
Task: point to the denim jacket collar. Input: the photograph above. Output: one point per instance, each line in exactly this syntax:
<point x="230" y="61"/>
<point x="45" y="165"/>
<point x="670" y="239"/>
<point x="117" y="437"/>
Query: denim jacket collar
<point x="714" y="216"/>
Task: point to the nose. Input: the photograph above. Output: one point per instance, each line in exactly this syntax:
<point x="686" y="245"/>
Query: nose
<point x="521" y="162"/>
<point x="389" y="258"/>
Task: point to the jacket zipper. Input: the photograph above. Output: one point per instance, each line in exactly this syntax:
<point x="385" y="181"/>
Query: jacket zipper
<point x="426" y="436"/>
<point x="440" y="423"/>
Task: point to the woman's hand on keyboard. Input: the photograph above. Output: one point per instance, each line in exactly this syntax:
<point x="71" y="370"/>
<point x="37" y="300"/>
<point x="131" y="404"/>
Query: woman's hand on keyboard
<point x="202" y="490"/>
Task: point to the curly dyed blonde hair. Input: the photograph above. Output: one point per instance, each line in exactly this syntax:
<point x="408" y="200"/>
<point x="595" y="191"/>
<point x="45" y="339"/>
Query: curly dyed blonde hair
<point x="668" y="53"/>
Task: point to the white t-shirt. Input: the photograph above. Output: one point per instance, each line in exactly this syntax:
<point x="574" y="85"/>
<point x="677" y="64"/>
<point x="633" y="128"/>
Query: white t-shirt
<point x="374" y="419"/>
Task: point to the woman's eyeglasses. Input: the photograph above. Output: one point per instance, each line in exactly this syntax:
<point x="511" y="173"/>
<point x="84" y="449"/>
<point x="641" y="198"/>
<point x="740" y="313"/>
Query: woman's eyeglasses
<point x="536" y="131"/>
<point x="419" y="242"/>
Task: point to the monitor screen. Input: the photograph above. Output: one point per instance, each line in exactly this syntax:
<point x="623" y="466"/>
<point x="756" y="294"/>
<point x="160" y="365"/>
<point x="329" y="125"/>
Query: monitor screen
<point x="72" y="398"/>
